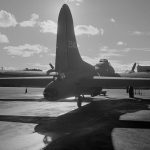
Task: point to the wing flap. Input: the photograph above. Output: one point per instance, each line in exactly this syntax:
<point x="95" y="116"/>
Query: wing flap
<point x="115" y="82"/>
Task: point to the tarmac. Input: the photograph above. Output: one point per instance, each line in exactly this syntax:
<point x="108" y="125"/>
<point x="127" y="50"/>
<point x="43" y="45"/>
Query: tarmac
<point x="111" y="122"/>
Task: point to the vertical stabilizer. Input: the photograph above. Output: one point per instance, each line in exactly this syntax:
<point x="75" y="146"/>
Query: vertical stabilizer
<point x="67" y="54"/>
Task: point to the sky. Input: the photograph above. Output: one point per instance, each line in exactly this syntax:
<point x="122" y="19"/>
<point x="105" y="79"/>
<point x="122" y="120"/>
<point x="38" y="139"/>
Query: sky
<point x="118" y="30"/>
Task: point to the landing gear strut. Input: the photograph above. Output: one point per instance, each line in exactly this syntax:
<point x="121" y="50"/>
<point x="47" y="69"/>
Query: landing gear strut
<point x="131" y="91"/>
<point x="79" y="101"/>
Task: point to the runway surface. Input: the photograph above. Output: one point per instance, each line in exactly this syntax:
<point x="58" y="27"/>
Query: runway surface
<point x="114" y="122"/>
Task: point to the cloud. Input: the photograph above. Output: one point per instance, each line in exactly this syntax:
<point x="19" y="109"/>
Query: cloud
<point x="53" y="55"/>
<point x="25" y="50"/>
<point x="48" y="26"/>
<point x="144" y="63"/>
<point x="77" y="2"/>
<point x="3" y="38"/>
<point x="10" y="68"/>
<point x="137" y="49"/>
<point x="140" y="33"/>
<point x="30" y="23"/>
<point x="91" y="60"/>
<point x="107" y="49"/>
<point x="84" y="29"/>
<point x="7" y="19"/>
<point x="120" y="43"/>
<point x="106" y="52"/>
<point x="102" y="31"/>
<point x="137" y="33"/>
<point x="112" y="20"/>
<point x="109" y="54"/>
<point x="119" y="67"/>
<point x="40" y="66"/>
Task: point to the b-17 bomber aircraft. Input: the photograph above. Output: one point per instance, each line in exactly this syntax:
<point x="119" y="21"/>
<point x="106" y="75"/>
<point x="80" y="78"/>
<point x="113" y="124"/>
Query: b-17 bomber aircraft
<point x="73" y="76"/>
<point x="133" y="74"/>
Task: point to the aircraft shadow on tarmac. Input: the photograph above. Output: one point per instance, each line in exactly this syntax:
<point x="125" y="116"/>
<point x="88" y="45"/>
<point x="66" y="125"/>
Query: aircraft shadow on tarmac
<point x="87" y="128"/>
<point x="86" y="99"/>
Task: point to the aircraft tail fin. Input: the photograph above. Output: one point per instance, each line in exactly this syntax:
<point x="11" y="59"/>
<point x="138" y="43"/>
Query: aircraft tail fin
<point x="67" y="53"/>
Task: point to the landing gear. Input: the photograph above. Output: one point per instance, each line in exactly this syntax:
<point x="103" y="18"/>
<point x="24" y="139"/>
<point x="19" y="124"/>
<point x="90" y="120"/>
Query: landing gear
<point x="79" y="101"/>
<point x="131" y="91"/>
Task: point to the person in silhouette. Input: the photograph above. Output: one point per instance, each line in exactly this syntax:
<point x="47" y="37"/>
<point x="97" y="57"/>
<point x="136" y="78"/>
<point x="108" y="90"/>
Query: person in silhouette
<point x="26" y="91"/>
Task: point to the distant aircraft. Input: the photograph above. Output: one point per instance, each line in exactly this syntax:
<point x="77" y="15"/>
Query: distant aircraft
<point x="143" y="68"/>
<point x="26" y="73"/>
<point x="75" y="77"/>
<point x="133" y="74"/>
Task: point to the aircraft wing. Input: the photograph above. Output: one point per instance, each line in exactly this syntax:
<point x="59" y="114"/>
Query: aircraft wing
<point x="95" y="81"/>
<point x="115" y="82"/>
<point x="25" y="81"/>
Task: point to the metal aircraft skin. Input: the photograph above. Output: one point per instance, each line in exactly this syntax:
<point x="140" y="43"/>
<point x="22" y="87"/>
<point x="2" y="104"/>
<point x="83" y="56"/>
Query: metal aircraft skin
<point x="75" y="76"/>
<point x="21" y="73"/>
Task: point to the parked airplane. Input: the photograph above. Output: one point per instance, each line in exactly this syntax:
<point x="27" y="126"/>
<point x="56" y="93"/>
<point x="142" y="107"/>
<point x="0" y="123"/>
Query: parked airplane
<point x="75" y="77"/>
<point x="143" y="68"/>
<point x="26" y="73"/>
<point x="133" y="74"/>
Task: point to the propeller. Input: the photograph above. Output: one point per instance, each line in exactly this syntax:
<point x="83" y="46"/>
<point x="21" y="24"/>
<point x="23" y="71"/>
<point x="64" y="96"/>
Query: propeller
<point x="133" y="68"/>
<point x="50" y="70"/>
<point x="52" y="67"/>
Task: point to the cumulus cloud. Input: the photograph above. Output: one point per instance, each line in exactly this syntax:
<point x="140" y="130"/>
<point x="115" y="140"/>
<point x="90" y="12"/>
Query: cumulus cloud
<point x="3" y="38"/>
<point x="48" y="26"/>
<point x="120" y="43"/>
<point x="40" y="66"/>
<point x="91" y="60"/>
<point x="144" y="63"/>
<point x="30" y="23"/>
<point x="119" y="67"/>
<point x="102" y="31"/>
<point x="7" y="19"/>
<point x="84" y="29"/>
<point x="137" y="49"/>
<point x="107" y="49"/>
<point x="26" y="50"/>
<point x="139" y="33"/>
<point x="109" y="54"/>
<point x="112" y="20"/>
<point x="77" y="2"/>
<point x="106" y="52"/>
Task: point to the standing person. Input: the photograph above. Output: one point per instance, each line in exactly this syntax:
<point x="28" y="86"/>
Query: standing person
<point x="26" y="91"/>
